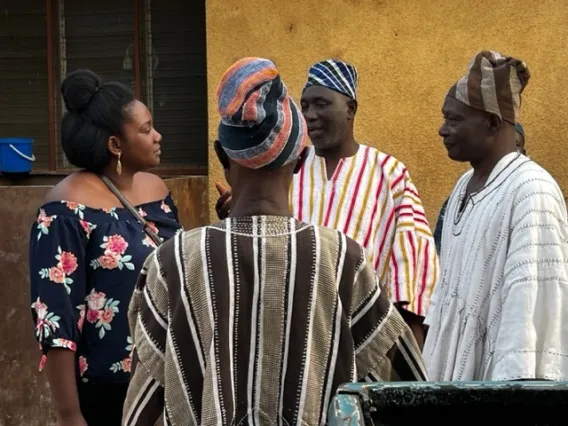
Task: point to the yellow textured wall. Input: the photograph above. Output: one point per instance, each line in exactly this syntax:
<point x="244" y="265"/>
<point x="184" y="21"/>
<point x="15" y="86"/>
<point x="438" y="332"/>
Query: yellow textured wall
<point x="408" y="53"/>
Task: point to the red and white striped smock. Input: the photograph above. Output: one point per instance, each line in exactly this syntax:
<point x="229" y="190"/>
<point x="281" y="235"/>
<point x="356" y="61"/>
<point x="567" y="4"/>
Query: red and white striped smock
<point x="372" y="199"/>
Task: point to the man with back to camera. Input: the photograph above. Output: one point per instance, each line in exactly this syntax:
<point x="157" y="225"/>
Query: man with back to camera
<point x="259" y="318"/>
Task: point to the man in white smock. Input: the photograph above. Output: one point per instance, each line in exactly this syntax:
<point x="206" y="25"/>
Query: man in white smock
<point x="500" y="310"/>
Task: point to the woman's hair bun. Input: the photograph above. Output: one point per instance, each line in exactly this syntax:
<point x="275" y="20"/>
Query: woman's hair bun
<point x="78" y="89"/>
<point x="95" y="112"/>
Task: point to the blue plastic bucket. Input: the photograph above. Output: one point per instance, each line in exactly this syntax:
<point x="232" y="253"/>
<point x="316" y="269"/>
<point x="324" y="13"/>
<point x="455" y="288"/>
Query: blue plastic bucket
<point x="16" y="155"/>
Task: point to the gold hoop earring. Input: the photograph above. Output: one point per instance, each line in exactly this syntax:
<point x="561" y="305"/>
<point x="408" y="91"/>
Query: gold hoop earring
<point x="118" y="166"/>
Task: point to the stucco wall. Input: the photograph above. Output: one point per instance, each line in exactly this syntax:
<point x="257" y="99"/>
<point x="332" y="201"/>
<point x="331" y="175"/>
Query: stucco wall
<point x="408" y="53"/>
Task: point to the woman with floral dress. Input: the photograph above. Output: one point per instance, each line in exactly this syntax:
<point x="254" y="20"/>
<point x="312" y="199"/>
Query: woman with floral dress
<point x="86" y="248"/>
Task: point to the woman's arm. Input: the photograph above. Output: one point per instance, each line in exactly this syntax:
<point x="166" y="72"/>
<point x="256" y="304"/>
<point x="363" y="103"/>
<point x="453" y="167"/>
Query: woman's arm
<point x="58" y="290"/>
<point x="61" y="376"/>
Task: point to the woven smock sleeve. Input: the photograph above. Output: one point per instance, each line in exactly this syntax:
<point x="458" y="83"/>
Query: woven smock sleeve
<point x="57" y="264"/>
<point x="413" y="263"/>
<point x="385" y="348"/>
<point x="532" y="342"/>
<point x="148" y="321"/>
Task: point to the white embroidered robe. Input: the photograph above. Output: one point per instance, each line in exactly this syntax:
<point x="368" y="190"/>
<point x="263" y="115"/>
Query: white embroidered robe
<point x="500" y="310"/>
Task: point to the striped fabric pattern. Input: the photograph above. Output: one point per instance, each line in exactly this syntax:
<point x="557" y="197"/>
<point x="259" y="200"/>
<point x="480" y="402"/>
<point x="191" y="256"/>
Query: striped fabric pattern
<point x="335" y="75"/>
<point x="260" y="126"/>
<point x="372" y="199"/>
<point x="257" y="321"/>
<point x="493" y="83"/>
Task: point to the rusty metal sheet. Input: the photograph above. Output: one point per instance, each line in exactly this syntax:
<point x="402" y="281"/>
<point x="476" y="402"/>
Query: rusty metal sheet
<point x="345" y="410"/>
<point x="405" y="403"/>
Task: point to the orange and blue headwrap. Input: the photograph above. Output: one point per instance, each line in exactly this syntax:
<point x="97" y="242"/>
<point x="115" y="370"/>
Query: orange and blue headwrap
<point x="261" y="126"/>
<point x="335" y="75"/>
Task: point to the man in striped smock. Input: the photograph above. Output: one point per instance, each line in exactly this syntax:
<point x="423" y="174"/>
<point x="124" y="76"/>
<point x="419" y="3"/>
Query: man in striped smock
<point x="362" y="192"/>
<point x="499" y="311"/>
<point x="259" y="318"/>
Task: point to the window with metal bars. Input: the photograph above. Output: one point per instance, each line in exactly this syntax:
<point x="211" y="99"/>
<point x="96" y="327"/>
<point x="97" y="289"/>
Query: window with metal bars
<point x="157" y="48"/>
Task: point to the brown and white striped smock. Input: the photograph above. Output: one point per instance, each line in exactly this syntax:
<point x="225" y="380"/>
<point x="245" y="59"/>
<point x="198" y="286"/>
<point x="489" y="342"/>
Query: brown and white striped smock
<point x="257" y="321"/>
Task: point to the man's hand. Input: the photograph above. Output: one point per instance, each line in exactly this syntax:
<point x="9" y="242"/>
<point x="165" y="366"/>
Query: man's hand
<point x="415" y="322"/>
<point x="223" y="204"/>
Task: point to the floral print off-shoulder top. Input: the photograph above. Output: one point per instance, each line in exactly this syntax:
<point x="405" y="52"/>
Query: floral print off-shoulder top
<point x="84" y="263"/>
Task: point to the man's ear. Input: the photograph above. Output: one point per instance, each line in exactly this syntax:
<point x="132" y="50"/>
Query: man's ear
<point x="351" y="108"/>
<point x="495" y="124"/>
<point x="301" y="159"/>
<point x="221" y="155"/>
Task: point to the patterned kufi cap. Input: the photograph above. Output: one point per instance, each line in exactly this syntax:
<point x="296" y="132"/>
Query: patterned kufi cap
<point x="335" y="75"/>
<point x="493" y="83"/>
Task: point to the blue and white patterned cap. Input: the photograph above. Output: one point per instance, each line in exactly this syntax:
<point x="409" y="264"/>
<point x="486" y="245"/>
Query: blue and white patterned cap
<point x="335" y="75"/>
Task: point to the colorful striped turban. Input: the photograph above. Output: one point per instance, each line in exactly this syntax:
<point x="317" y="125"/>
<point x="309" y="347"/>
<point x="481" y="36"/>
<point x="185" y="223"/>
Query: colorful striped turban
<point x="493" y="83"/>
<point x="335" y="75"/>
<point x="261" y="125"/>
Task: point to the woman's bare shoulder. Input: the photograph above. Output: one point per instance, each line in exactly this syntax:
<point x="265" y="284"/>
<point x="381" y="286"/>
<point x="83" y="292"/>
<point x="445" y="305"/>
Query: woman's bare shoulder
<point x="88" y="189"/>
<point x="151" y="185"/>
<point x="80" y="187"/>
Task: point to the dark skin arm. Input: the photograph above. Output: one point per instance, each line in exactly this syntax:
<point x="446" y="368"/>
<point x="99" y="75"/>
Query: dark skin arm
<point x="60" y="369"/>
<point x="415" y="322"/>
